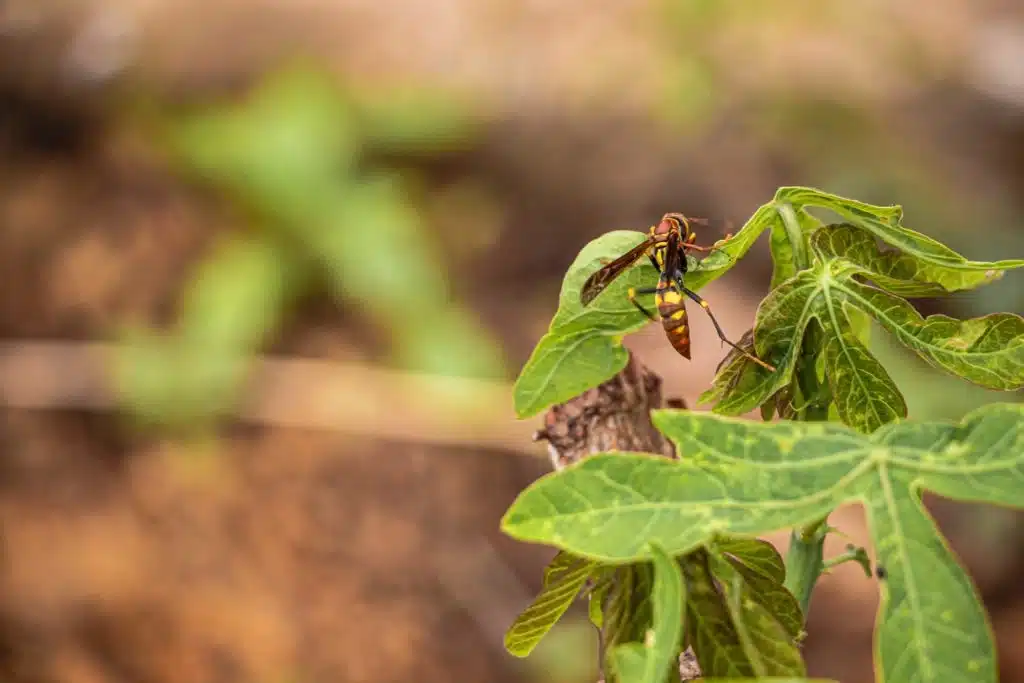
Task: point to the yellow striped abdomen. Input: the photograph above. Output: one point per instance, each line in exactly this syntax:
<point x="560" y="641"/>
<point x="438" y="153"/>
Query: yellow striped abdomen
<point x="672" y="310"/>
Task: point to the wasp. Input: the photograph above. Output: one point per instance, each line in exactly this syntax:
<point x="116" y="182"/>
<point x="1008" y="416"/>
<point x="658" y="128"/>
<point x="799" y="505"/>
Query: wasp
<point x="666" y="246"/>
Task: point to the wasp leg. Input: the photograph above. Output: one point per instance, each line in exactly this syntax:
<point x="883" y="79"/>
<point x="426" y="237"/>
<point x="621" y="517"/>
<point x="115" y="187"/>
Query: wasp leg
<point x="688" y="244"/>
<point x="694" y="247"/>
<point x="718" y="328"/>
<point x="632" y="299"/>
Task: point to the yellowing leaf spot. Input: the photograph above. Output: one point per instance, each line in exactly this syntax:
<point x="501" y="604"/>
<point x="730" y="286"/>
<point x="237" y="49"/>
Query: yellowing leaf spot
<point x="649" y="638"/>
<point x="973" y="665"/>
<point x="956" y="450"/>
<point x="716" y="525"/>
<point x="958" y="343"/>
<point x="947" y="616"/>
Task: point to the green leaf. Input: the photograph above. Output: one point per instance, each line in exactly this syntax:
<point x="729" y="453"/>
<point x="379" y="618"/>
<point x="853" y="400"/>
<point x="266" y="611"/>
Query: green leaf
<point x="598" y="595"/>
<point x="563" y="579"/>
<point x="864" y="394"/>
<point x="769" y="646"/>
<point x="758" y="556"/>
<point x="899" y="272"/>
<point x="564" y="366"/>
<point x="929" y="261"/>
<point x="628" y="662"/>
<point x="629" y="610"/>
<point x="783" y="250"/>
<point x="561" y="565"/>
<point x="231" y="307"/>
<point x="582" y="347"/>
<point x="661" y="644"/>
<point x="283" y="149"/>
<point x="731" y="376"/>
<point x="988" y="351"/>
<point x="663" y="647"/>
<point x="761" y="567"/>
<point x="749" y="478"/>
<point x="235" y="298"/>
<point x="711" y="631"/>
<point x="808" y="196"/>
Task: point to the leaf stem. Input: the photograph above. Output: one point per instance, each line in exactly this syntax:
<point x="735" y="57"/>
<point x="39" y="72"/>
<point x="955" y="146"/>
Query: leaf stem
<point x="852" y="554"/>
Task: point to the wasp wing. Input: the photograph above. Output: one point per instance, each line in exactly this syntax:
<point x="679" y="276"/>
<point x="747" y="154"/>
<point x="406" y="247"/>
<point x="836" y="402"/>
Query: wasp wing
<point x="597" y="282"/>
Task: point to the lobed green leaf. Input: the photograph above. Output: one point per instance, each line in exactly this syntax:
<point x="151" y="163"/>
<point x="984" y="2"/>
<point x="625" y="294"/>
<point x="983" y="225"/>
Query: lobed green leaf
<point x="931" y="623"/>
<point x="898" y="272"/>
<point x="748" y="478"/>
<point x="988" y="351"/>
<point x="931" y="261"/>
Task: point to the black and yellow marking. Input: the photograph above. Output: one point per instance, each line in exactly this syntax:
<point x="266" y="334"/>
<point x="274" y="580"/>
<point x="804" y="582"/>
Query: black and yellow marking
<point x="666" y="247"/>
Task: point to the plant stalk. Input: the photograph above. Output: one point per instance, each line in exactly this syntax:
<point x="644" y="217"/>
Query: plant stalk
<point x="804" y="562"/>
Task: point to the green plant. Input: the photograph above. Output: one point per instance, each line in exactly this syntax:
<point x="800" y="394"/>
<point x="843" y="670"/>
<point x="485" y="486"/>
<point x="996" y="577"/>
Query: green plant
<point x="668" y="548"/>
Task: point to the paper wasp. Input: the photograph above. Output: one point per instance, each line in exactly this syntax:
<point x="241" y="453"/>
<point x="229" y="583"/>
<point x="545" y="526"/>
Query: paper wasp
<point x="666" y="246"/>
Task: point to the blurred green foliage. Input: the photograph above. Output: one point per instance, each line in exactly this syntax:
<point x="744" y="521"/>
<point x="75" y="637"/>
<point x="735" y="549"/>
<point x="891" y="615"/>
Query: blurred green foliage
<point x="568" y="655"/>
<point x="300" y="158"/>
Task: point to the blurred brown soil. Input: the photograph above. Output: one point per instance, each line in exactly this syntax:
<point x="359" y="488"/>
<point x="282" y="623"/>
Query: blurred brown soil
<point x="270" y="555"/>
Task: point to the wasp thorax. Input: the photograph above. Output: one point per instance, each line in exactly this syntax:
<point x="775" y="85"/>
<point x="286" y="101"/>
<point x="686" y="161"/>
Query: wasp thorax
<point x="672" y="222"/>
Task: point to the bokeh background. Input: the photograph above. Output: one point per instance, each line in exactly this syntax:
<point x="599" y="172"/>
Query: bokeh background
<point x="270" y="267"/>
